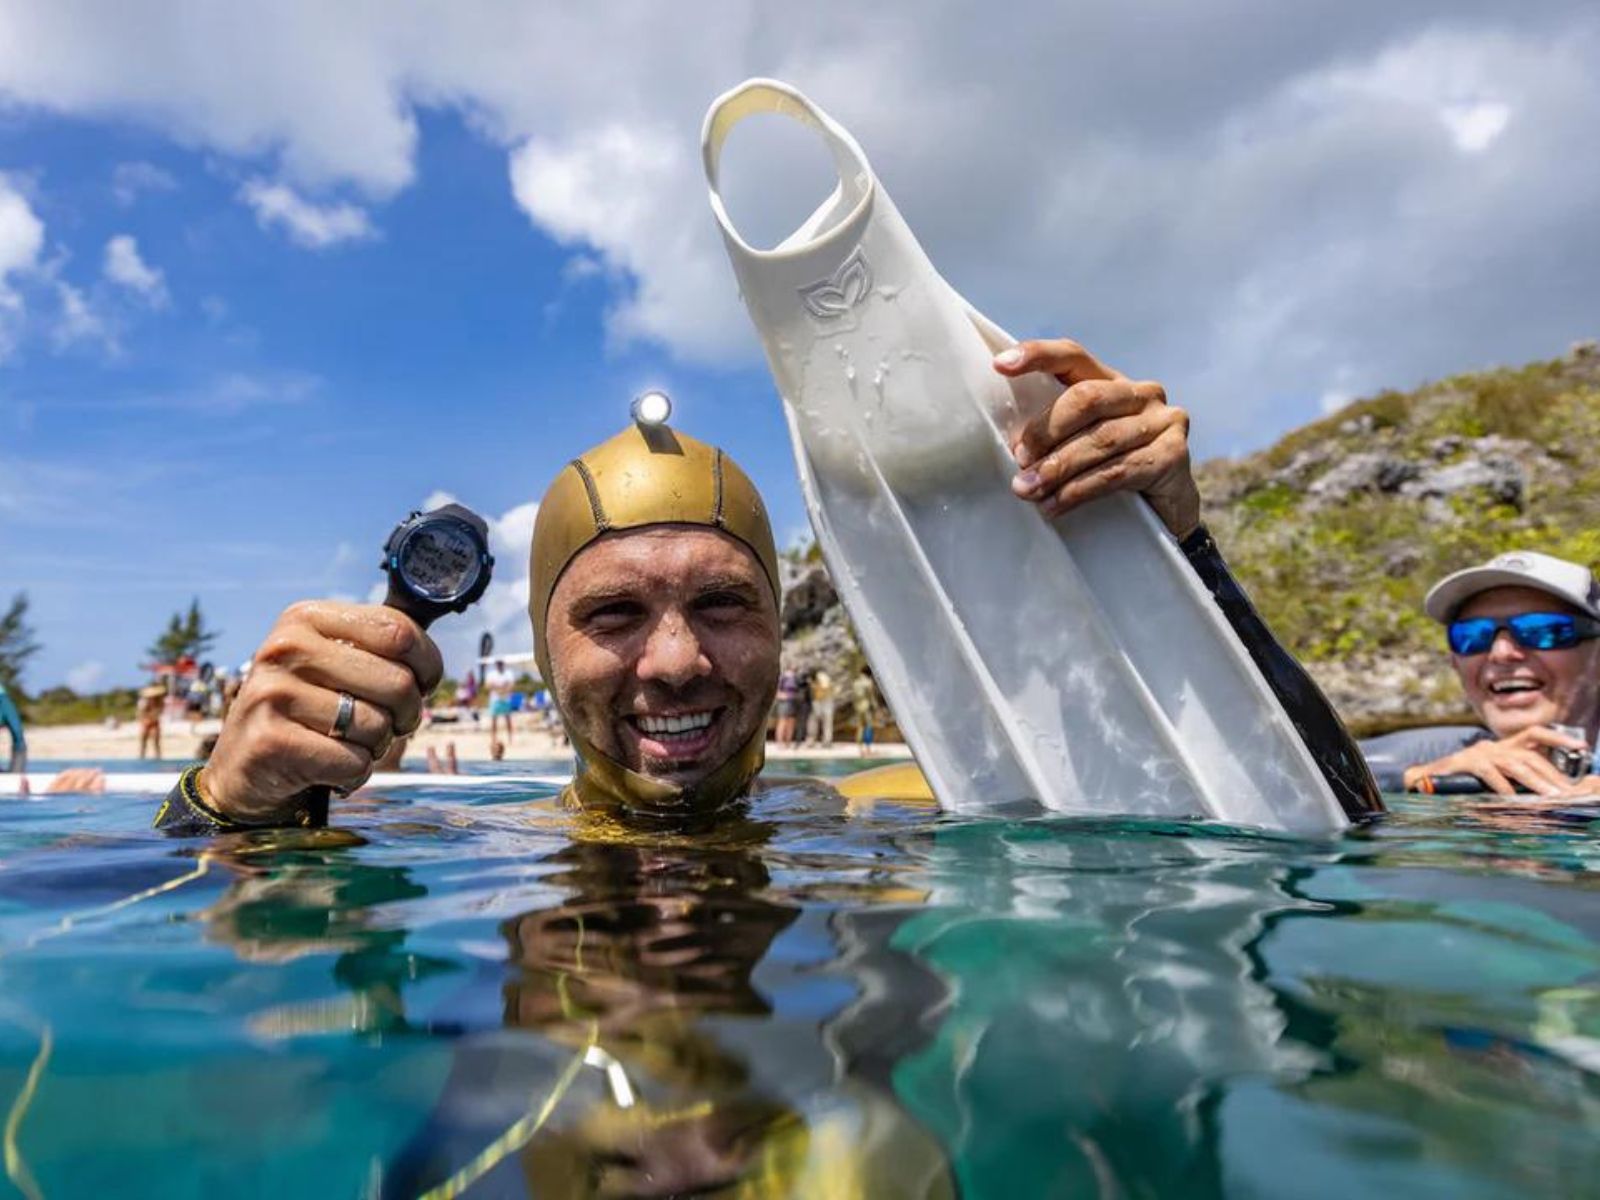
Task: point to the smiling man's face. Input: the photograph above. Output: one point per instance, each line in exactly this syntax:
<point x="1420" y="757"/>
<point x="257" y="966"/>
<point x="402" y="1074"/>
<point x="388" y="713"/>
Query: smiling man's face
<point x="664" y="646"/>
<point x="1513" y="689"/>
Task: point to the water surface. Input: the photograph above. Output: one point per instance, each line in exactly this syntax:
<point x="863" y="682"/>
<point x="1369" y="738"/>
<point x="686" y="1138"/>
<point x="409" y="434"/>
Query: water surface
<point x="470" y="988"/>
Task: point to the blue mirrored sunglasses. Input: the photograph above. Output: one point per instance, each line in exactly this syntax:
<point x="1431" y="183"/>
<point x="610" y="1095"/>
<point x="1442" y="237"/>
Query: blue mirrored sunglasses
<point x="1531" y="631"/>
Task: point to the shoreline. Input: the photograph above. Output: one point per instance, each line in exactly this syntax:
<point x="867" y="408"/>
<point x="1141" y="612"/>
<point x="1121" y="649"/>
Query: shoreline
<point x="180" y="742"/>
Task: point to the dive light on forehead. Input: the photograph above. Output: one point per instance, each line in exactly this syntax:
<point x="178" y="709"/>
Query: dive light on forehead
<point x="651" y="408"/>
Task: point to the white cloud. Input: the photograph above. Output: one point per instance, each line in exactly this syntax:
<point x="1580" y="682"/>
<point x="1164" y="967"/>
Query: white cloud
<point x="315" y="226"/>
<point x="310" y="83"/>
<point x="21" y="232"/>
<point x="1453" y="78"/>
<point x="679" y="291"/>
<point x="130" y="180"/>
<point x="235" y="391"/>
<point x="36" y="298"/>
<point x="21" y="238"/>
<point x="1474" y="126"/>
<point x="125" y="267"/>
<point x="581" y="267"/>
<point x="503" y="611"/>
<point x="512" y="534"/>
<point x="226" y="394"/>
<point x="85" y="675"/>
<point x="1304" y="186"/>
<point x="78" y="321"/>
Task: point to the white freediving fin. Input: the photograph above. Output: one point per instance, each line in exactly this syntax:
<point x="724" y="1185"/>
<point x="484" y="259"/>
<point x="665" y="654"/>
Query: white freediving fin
<point x="1079" y="662"/>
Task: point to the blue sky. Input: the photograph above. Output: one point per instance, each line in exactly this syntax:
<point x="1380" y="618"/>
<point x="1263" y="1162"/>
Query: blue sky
<point x="293" y="268"/>
<point x="253" y="438"/>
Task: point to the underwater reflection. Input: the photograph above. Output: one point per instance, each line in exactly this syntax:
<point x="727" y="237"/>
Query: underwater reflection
<point x="650" y="942"/>
<point x="643" y="973"/>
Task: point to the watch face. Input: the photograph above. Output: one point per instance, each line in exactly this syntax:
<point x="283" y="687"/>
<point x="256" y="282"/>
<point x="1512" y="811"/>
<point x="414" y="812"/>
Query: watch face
<point x="440" y="560"/>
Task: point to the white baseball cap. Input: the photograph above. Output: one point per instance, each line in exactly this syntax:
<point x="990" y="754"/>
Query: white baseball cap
<point x="1521" y="568"/>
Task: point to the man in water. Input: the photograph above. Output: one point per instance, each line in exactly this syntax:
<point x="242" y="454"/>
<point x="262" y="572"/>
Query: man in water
<point x="655" y="609"/>
<point x="1524" y="636"/>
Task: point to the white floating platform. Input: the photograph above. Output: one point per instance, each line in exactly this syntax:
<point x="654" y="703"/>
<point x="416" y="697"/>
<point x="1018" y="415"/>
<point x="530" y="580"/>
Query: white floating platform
<point x="159" y="783"/>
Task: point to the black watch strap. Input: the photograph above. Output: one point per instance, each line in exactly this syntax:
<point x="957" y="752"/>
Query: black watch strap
<point x="423" y="612"/>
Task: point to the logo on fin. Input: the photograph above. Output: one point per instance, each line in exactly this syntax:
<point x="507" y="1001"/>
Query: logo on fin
<point x="840" y="292"/>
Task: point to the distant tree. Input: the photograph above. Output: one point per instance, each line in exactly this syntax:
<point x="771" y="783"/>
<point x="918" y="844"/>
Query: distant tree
<point x="16" y="643"/>
<point x="186" y="634"/>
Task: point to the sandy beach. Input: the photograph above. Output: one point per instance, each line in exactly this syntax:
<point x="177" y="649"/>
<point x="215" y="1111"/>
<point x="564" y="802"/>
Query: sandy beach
<point x="180" y="742"/>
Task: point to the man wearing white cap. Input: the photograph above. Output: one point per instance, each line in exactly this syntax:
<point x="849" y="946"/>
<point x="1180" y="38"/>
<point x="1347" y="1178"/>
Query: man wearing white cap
<point x="1524" y="635"/>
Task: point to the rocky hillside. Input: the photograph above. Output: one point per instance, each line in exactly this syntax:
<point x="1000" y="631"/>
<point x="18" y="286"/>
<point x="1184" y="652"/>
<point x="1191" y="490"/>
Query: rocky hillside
<point x="1338" y="529"/>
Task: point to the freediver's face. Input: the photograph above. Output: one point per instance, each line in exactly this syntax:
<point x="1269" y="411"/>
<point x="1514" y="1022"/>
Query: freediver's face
<point x="1513" y="688"/>
<point x="664" y="647"/>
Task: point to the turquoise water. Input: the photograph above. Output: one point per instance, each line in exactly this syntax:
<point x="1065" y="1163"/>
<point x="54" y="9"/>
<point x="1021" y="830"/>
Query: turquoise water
<point x="467" y="985"/>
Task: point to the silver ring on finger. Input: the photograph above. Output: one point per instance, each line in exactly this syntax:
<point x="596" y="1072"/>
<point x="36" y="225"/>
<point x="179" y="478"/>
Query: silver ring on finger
<point x="342" y="718"/>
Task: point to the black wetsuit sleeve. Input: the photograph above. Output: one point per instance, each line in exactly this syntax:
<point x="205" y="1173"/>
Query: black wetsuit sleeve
<point x="1331" y="746"/>
<point x="185" y="813"/>
<point x="1389" y="755"/>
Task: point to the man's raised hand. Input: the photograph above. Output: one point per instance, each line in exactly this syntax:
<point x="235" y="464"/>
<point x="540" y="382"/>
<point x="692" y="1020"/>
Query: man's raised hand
<point x="279" y="738"/>
<point x="1104" y="434"/>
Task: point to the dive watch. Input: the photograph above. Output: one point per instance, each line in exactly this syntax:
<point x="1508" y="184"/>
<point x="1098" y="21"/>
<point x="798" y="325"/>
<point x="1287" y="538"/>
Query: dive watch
<point x="438" y="562"/>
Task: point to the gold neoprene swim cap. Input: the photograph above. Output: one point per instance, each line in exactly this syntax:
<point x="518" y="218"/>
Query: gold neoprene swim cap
<point x="646" y="476"/>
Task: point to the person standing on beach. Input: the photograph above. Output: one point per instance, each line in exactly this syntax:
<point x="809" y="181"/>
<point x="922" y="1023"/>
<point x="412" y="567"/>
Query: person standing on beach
<point x="864" y="700"/>
<point x="788" y="705"/>
<point x="802" y="715"/>
<point x="11" y="718"/>
<point x="151" y="699"/>
<point x="819" y="727"/>
<point x="499" y="683"/>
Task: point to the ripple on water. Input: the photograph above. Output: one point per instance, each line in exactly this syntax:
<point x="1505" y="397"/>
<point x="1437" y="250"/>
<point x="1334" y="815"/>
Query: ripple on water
<point x="1027" y="1005"/>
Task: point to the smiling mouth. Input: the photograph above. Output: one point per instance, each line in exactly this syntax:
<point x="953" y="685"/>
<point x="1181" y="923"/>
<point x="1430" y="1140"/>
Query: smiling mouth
<point x="678" y="736"/>
<point x="1514" y="687"/>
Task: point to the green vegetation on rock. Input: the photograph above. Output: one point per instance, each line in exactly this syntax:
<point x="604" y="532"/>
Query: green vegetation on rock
<point x="1338" y="530"/>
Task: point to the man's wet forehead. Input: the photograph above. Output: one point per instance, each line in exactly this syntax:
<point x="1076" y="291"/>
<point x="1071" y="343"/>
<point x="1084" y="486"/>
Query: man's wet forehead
<point x="682" y="555"/>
